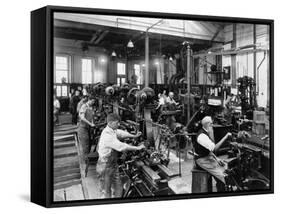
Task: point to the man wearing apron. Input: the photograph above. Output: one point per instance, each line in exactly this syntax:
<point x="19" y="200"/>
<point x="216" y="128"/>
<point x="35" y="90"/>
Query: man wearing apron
<point x="205" y="148"/>
<point x="108" y="148"/>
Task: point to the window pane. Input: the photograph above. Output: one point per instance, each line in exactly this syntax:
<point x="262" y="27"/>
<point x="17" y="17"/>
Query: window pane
<point x="58" y="91"/>
<point x="61" y="62"/>
<point x="123" y="80"/>
<point x="60" y="75"/>
<point x="121" y="69"/>
<point x="62" y="69"/>
<point x="138" y="73"/>
<point x="86" y="71"/>
<point x="64" y="91"/>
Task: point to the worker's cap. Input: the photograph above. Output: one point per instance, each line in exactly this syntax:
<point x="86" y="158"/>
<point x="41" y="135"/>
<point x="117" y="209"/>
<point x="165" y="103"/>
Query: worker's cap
<point x="171" y="93"/>
<point x="112" y="117"/>
<point x="206" y="120"/>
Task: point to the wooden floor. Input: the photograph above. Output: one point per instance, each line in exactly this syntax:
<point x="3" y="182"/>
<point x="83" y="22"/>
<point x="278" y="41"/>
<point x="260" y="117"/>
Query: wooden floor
<point x="180" y="185"/>
<point x="68" y="184"/>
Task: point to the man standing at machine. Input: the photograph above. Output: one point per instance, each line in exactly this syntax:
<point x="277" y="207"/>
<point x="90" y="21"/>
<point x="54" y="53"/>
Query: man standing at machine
<point x="56" y="110"/>
<point x="86" y="115"/>
<point x="108" y="148"/>
<point x="171" y="103"/>
<point x="205" y="148"/>
<point x="73" y="106"/>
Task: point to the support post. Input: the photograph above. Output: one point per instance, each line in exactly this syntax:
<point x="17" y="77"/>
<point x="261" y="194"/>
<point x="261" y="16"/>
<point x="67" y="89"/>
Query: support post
<point x="146" y="82"/>
<point x="255" y="61"/>
<point x="233" y="58"/>
<point x="188" y="71"/>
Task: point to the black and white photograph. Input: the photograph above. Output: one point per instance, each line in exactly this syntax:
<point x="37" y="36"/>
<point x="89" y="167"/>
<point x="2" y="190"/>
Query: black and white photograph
<point x="147" y="107"/>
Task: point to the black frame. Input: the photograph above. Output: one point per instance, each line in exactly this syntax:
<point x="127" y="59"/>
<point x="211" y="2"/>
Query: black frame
<point x="42" y="97"/>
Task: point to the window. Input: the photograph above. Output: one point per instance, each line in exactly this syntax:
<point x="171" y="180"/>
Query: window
<point x="87" y="71"/>
<point x="58" y="91"/>
<point x="121" y="69"/>
<point x="62" y="69"/>
<point x="64" y="91"/>
<point x="61" y="90"/>
<point x="138" y="73"/>
<point x="121" y="73"/>
<point x="121" y="80"/>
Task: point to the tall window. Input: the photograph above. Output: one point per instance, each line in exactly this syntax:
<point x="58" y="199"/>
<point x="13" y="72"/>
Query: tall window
<point x="138" y="73"/>
<point x="121" y="73"/>
<point x="62" y="68"/>
<point x="87" y="68"/>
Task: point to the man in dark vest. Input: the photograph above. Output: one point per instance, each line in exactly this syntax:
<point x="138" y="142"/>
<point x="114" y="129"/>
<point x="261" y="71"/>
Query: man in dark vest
<point x="205" y="148"/>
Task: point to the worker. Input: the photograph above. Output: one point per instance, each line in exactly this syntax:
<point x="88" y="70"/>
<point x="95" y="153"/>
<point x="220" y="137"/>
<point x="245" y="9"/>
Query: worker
<point x="75" y="99"/>
<point x="84" y="91"/>
<point x="170" y="99"/>
<point x="205" y="150"/>
<point x="83" y="100"/>
<point x="108" y="148"/>
<point x="56" y="110"/>
<point x="86" y="115"/>
<point x="161" y="101"/>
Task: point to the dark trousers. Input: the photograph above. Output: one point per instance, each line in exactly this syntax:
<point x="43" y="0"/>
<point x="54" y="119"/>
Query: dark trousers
<point x="110" y="182"/>
<point x="84" y="141"/>
<point x="74" y="118"/>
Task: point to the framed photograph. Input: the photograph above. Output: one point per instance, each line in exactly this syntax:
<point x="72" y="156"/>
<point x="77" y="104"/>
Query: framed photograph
<point x="132" y="106"/>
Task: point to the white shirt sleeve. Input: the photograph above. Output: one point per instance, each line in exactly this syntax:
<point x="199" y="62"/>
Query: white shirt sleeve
<point x="122" y="134"/>
<point x="112" y="142"/>
<point x="205" y="141"/>
<point x="161" y="101"/>
<point x="82" y="110"/>
<point x="118" y="145"/>
<point x="56" y="104"/>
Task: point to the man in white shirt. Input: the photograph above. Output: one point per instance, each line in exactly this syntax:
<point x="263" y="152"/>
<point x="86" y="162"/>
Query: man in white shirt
<point x="108" y="148"/>
<point x="170" y="99"/>
<point x="56" y="109"/>
<point x="205" y="148"/>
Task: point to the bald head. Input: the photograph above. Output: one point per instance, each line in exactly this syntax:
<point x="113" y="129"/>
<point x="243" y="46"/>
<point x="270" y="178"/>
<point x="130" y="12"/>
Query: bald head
<point x="206" y="121"/>
<point x="171" y="94"/>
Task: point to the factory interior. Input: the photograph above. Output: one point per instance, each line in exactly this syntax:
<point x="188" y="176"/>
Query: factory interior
<point x="167" y="80"/>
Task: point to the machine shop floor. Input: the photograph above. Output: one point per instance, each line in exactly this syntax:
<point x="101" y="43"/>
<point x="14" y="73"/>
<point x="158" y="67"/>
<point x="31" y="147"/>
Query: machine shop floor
<point x="181" y="183"/>
<point x="92" y="185"/>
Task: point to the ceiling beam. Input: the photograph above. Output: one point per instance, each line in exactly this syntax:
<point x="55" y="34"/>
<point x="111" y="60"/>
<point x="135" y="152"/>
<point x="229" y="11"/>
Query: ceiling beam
<point x="110" y="21"/>
<point x="95" y="36"/>
<point x="101" y="37"/>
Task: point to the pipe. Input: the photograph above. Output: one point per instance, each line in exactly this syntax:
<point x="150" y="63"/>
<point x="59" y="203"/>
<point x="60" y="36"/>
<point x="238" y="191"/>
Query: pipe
<point x="258" y="71"/>
<point x="188" y="71"/>
<point x="255" y="59"/>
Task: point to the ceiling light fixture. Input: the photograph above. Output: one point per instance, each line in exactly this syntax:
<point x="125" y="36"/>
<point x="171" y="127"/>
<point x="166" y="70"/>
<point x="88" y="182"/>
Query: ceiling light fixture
<point x="130" y="44"/>
<point x="113" y="53"/>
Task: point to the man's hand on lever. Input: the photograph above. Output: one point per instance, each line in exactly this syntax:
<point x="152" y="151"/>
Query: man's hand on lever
<point x="219" y="144"/>
<point x="138" y="135"/>
<point x="140" y="147"/>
